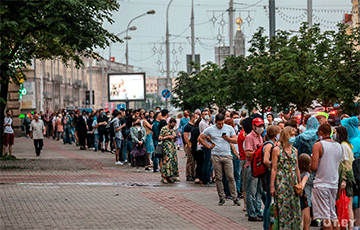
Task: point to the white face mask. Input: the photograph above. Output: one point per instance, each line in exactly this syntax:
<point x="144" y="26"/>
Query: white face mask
<point x="259" y="130"/>
<point x="321" y="138"/>
<point x="277" y="138"/>
<point x="206" y="117"/>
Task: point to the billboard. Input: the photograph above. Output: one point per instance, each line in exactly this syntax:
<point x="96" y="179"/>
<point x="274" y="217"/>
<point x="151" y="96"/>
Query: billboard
<point x="127" y="87"/>
<point x="28" y="100"/>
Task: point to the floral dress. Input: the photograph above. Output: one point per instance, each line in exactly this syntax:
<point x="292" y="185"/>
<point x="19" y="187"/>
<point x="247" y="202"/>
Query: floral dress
<point x="287" y="214"/>
<point x="170" y="161"/>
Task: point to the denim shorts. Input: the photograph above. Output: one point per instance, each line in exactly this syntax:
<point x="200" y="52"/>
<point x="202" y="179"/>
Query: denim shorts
<point x="118" y="143"/>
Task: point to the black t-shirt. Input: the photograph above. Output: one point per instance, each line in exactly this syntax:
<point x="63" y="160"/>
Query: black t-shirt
<point x="102" y="119"/>
<point x="162" y="124"/>
<point x="188" y="128"/>
<point x="195" y="133"/>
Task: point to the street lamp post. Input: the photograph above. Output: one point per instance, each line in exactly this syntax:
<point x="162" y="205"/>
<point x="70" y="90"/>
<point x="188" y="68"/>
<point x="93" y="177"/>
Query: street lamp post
<point x="127" y="45"/>
<point x="167" y="44"/>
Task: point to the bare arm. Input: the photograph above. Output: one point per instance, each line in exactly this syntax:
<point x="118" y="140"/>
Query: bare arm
<point x="237" y="157"/>
<point x="202" y="141"/>
<point x="267" y="152"/>
<point x="297" y="167"/>
<point x="186" y="139"/>
<point x="274" y="159"/>
<point x="232" y="139"/>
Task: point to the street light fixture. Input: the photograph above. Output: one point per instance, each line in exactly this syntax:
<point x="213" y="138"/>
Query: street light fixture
<point x="127" y="45"/>
<point x="125" y="31"/>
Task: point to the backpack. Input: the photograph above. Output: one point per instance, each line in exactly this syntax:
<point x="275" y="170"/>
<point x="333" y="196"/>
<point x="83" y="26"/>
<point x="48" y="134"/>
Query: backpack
<point x="258" y="168"/>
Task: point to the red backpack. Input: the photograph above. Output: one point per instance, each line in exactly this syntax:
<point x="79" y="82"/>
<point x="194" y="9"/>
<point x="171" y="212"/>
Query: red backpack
<point x="258" y="168"/>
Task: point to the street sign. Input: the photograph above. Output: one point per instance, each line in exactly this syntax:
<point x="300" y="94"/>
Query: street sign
<point x="121" y="106"/>
<point x="166" y="93"/>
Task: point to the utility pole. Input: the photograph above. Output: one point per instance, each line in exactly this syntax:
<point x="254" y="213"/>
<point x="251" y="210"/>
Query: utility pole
<point x="42" y="85"/>
<point x="272" y="17"/>
<point x="167" y="44"/>
<point x="309" y="13"/>
<point x="192" y="32"/>
<point x="231" y="27"/>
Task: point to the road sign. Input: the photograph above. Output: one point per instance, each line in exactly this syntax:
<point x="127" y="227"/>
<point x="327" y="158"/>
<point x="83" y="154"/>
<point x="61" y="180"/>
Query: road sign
<point x="121" y="106"/>
<point x="166" y="93"/>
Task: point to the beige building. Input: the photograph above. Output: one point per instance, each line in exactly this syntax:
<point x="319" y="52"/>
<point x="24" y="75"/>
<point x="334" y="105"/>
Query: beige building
<point x="53" y="84"/>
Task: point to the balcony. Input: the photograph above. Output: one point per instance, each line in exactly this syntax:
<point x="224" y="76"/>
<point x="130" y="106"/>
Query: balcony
<point x="58" y="79"/>
<point x="77" y="84"/>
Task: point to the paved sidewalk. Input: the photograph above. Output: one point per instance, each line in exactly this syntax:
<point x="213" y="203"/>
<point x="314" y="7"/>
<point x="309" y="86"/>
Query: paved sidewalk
<point x="66" y="188"/>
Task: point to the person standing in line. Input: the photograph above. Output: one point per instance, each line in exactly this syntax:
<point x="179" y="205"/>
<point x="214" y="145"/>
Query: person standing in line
<point x="253" y="141"/>
<point x="37" y="132"/>
<point x="149" y="143"/>
<point x="8" y="133"/>
<point x="179" y="140"/>
<point x="156" y="132"/>
<point x="102" y="123"/>
<point x="90" y="133"/>
<point x="183" y="122"/>
<point x="169" y="166"/>
<point x="59" y="127"/>
<point x="207" y="166"/>
<point x="82" y="130"/>
<point x="190" y="163"/>
<point x="285" y="174"/>
<point x="221" y="135"/>
<point x="96" y="133"/>
<point x="197" y="152"/>
<point x="118" y="136"/>
<point x="325" y="161"/>
<point x="48" y="123"/>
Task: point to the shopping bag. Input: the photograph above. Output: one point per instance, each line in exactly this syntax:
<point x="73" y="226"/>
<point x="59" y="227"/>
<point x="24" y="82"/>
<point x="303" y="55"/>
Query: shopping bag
<point x="342" y="205"/>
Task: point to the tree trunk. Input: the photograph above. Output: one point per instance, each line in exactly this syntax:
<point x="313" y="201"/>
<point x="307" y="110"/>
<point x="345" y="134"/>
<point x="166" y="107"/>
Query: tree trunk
<point x="3" y="95"/>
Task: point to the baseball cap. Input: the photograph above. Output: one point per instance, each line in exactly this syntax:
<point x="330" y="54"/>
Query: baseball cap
<point x="258" y="121"/>
<point x="323" y="114"/>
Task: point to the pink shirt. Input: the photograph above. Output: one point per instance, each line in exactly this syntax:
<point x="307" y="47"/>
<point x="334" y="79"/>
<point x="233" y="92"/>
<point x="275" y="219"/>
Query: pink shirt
<point x="59" y="125"/>
<point x="253" y="141"/>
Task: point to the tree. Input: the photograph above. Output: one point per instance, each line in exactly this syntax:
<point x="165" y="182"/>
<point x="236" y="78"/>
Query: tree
<point x="50" y="29"/>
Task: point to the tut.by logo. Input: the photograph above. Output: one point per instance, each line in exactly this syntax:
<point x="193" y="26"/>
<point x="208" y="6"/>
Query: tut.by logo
<point x="337" y="223"/>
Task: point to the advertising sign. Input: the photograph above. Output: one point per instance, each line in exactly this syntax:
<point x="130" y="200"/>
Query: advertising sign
<point x="28" y="100"/>
<point x="127" y="87"/>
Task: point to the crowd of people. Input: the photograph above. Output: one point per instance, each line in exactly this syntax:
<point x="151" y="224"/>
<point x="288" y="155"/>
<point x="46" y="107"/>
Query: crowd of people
<point x="302" y="168"/>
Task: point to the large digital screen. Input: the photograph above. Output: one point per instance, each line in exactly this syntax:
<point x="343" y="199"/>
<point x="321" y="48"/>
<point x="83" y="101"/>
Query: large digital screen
<point x="127" y="87"/>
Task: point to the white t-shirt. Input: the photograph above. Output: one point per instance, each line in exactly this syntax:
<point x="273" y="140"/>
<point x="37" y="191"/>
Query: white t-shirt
<point x="222" y="147"/>
<point x="37" y="129"/>
<point x="8" y="129"/>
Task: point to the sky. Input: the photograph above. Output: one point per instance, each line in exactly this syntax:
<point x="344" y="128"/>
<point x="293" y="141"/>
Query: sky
<point x="147" y="49"/>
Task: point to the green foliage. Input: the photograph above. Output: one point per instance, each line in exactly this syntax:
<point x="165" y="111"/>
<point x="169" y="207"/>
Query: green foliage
<point x="63" y="29"/>
<point x="288" y="71"/>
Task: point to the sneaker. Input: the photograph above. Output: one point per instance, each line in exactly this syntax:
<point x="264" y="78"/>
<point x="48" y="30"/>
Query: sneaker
<point x="118" y="163"/>
<point x="156" y="170"/>
<point x="257" y="219"/>
<point x="221" y="202"/>
<point x="126" y="161"/>
<point x="138" y="170"/>
<point x="237" y="202"/>
<point x="148" y="170"/>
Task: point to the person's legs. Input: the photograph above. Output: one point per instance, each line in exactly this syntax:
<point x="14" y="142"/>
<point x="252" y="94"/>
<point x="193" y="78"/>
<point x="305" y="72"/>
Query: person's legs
<point x="266" y="214"/>
<point x="306" y="219"/>
<point x="206" y="172"/>
<point x="189" y="163"/>
<point x="218" y="168"/>
<point x="199" y="159"/>
<point x="96" y="138"/>
<point x="106" y="133"/>
<point x="101" y="139"/>
<point x="229" y="172"/>
<point x="37" y="149"/>
<point x="118" y="149"/>
<point x="41" y="144"/>
<point x="251" y="193"/>
<point x="237" y="175"/>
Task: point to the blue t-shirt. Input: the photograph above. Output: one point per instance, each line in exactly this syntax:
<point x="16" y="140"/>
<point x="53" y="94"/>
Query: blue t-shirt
<point x="183" y="122"/>
<point x="222" y="147"/>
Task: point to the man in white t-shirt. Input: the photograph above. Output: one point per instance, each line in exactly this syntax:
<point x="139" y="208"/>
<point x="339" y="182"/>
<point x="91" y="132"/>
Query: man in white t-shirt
<point x="221" y="135"/>
<point x="8" y="133"/>
<point x="37" y="132"/>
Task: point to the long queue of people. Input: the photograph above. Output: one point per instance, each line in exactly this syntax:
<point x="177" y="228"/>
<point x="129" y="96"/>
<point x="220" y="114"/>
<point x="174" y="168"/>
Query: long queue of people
<point x="296" y="172"/>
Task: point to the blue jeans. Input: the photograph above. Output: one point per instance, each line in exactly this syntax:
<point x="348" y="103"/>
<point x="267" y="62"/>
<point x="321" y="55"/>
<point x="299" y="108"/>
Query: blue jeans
<point x="206" y="173"/>
<point x="67" y="136"/>
<point x="253" y="195"/>
<point x="266" y="223"/>
<point x="127" y="147"/>
<point x="96" y="139"/>
<point x="73" y="135"/>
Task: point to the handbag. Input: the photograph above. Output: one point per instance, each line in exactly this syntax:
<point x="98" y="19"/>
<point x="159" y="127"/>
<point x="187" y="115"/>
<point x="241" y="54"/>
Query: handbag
<point x="159" y="151"/>
<point x="342" y="208"/>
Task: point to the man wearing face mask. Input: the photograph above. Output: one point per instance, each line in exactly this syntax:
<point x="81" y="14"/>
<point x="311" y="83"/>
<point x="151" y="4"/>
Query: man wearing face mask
<point x="204" y="124"/>
<point x="253" y="141"/>
<point x="325" y="161"/>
